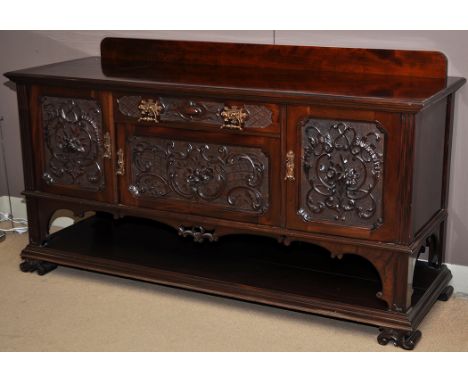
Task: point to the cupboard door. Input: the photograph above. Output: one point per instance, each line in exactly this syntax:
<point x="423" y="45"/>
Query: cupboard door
<point x="345" y="166"/>
<point x="202" y="174"/>
<point x="73" y="143"/>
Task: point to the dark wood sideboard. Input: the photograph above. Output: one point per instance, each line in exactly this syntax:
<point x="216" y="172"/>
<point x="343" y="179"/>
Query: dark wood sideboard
<point x="308" y="178"/>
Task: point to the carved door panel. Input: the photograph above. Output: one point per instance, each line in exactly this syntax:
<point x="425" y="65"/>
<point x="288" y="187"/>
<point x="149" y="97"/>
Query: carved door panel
<point x="73" y="143"/>
<point x="343" y="167"/>
<point x="200" y="173"/>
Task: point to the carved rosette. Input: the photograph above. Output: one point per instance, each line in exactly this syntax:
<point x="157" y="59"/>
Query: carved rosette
<point x="342" y="172"/>
<point x="73" y="142"/>
<point x="229" y="176"/>
<point x="187" y="110"/>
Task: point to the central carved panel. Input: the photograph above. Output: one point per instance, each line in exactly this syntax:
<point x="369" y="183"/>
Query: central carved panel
<point x="230" y="176"/>
<point x="73" y="142"/>
<point x="342" y="172"/>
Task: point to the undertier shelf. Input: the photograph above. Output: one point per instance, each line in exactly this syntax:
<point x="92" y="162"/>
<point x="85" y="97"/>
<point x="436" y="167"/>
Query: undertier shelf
<point x="235" y="262"/>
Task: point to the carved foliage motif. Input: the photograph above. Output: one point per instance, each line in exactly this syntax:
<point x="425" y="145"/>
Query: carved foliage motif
<point x="73" y="142"/>
<point x="185" y="110"/>
<point x="199" y="234"/>
<point x="342" y="172"/>
<point x="230" y="176"/>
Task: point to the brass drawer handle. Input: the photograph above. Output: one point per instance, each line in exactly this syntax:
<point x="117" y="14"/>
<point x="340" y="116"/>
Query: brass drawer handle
<point x="107" y="146"/>
<point x="233" y="118"/>
<point x="290" y="166"/>
<point x="120" y="163"/>
<point x="150" y="110"/>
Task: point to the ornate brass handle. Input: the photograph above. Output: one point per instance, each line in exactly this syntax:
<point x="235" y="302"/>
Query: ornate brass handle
<point x="120" y="162"/>
<point x="233" y="118"/>
<point x="150" y="110"/>
<point x="107" y="146"/>
<point x="290" y="166"/>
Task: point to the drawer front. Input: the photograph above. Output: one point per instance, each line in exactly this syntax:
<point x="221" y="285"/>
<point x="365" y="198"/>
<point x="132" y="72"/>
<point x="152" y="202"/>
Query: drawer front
<point x="232" y="116"/>
<point x="200" y="175"/>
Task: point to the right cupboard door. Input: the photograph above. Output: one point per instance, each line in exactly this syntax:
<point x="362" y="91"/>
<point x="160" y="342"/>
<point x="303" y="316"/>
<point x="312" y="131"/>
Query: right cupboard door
<point x="342" y="172"/>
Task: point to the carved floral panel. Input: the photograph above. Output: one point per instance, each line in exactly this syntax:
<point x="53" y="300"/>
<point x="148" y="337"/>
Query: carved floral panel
<point x="73" y="142"/>
<point x="186" y="110"/>
<point x="229" y="176"/>
<point x="342" y="172"/>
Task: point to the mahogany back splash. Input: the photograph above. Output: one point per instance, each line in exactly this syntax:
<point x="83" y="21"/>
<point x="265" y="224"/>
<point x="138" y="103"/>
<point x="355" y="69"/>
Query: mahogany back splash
<point x="121" y="51"/>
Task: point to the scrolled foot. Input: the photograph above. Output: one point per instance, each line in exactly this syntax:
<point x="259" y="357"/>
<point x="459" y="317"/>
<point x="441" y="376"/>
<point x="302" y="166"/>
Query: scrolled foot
<point x="446" y="293"/>
<point x="408" y="342"/>
<point x="45" y="267"/>
<point x="405" y="339"/>
<point x="42" y="267"/>
<point x="29" y="265"/>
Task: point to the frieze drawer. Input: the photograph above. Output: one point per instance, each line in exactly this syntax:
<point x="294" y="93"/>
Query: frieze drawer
<point x="195" y="113"/>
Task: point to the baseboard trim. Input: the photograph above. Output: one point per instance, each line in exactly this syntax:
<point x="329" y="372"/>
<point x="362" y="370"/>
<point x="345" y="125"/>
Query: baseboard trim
<point x="459" y="272"/>
<point x="18" y="206"/>
<point x="460" y="277"/>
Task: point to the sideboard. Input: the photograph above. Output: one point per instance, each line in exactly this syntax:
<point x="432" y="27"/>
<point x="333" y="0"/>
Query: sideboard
<point x="308" y="178"/>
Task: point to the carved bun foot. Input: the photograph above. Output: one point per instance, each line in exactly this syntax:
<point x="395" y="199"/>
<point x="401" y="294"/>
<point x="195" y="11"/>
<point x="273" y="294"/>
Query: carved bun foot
<point x="405" y="339"/>
<point x="28" y="266"/>
<point x="45" y="268"/>
<point x="446" y="293"/>
<point x="41" y="267"/>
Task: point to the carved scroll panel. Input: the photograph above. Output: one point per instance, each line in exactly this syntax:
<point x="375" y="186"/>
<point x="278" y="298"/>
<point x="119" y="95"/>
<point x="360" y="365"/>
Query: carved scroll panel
<point x="342" y="172"/>
<point x="73" y="140"/>
<point x="232" y="177"/>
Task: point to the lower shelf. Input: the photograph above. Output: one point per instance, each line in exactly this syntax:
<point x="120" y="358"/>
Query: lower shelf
<point x="300" y="277"/>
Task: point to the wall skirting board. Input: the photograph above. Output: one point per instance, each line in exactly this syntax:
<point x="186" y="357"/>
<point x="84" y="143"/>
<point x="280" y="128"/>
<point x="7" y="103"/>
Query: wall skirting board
<point x="460" y="272"/>
<point x="18" y="207"/>
<point x="460" y="278"/>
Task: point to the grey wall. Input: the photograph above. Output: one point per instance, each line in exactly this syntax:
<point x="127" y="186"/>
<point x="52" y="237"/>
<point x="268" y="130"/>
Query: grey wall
<point x="25" y="49"/>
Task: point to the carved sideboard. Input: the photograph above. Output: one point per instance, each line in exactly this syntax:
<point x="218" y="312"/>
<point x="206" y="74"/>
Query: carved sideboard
<point x="307" y="178"/>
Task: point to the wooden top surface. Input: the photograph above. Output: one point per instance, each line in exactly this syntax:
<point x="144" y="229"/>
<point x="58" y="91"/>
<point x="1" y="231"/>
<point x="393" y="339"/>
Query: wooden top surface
<point x="350" y="81"/>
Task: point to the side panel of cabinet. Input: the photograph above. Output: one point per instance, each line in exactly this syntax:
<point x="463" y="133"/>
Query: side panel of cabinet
<point x="346" y="172"/>
<point x="205" y="174"/>
<point x="72" y="142"/>
<point x="429" y="143"/>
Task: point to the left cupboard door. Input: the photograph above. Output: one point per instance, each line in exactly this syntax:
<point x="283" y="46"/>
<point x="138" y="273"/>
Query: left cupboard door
<point x="72" y="138"/>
